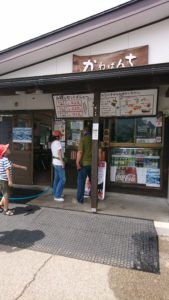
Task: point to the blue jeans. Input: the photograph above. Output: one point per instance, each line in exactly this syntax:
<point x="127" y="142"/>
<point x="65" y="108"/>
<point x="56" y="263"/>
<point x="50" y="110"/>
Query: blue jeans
<point x="59" y="181"/>
<point x="81" y="179"/>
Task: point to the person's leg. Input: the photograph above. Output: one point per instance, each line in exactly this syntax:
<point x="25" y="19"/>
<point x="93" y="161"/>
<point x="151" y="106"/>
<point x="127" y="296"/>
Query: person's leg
<point x="81" y="179"/>
<point x="4" y="202"/>
<point x="61" y="181"/>
<point x="55" y="181"/>
<point x="5" y="189"/>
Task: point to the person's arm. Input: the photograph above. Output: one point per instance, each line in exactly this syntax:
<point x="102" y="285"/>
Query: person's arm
<point x="10" y="182"/>
<point x="61" y="158"/>
<point x="78" y="159"/>
<point x="19" y="167"/>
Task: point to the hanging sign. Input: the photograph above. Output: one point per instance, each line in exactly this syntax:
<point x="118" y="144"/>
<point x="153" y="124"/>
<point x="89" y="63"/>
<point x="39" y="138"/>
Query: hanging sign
<point x="74" y="106"/>
<point x="121" y="59"/>
<point x="129" y="103"/>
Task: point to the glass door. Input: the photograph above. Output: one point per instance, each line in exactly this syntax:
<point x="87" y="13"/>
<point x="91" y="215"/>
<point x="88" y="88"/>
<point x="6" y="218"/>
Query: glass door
<point x="22" y="147"/>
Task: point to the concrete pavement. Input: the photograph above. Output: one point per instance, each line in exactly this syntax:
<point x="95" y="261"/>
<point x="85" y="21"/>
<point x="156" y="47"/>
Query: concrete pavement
<point x="31" y="275"/>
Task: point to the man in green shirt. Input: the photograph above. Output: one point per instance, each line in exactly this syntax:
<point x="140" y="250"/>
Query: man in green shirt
<point x="83" y="163"/>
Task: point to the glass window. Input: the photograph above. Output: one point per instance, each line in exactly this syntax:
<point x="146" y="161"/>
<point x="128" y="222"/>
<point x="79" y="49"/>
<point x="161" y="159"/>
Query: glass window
<point x="139" y="130"/>
<point x="135" y="166"/>
<point x="122" y="130"/>
<point x="6" y="129"/>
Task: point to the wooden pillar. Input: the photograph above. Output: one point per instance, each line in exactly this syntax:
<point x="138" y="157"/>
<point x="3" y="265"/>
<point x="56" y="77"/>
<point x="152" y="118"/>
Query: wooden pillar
<point x="95" y="143"/>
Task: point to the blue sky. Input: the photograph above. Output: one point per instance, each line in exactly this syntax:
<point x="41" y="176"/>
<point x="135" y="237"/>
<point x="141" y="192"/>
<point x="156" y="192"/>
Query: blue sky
<point x="22" y="20"/>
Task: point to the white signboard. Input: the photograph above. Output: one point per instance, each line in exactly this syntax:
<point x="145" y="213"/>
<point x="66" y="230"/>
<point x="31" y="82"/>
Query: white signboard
<point x="74" y="106"/>
<point x="129" y="103"/>
<point x="95" y="131"/>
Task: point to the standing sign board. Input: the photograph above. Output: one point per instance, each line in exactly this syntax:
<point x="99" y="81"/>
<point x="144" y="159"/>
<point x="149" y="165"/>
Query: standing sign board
<point x="101" y="181"/>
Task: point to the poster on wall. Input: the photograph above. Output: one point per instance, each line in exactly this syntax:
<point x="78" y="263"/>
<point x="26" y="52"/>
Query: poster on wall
<point x="22" y="135"/>
<point x="60" y="125"/>
<point x="129" y="103"/>
<point x="73" y="132"/>
<point x="126" y="174"/>
<point x="74" y="106"/>
<point x="101" y="182"/>
<point x="148" y="130"/>
<point x="153" y="177"/>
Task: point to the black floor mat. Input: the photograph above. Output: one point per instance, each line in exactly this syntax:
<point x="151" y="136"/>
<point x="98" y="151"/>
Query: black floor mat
<point x="24" y="195"/>
<point x="112" y="240"/>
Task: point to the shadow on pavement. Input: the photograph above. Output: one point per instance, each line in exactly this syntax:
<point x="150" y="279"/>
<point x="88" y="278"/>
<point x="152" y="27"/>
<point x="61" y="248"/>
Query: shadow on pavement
<point x="20" y="238"/>
<point x="26" y="210"/>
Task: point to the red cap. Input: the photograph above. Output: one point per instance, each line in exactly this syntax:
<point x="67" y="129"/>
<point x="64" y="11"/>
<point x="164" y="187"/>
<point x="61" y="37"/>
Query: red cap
<point x="3" y="149"/>
<point x="57" y="133"/>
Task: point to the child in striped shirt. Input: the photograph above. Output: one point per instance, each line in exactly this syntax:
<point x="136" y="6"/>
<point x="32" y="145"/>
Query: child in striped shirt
<point x="6" y="182"/>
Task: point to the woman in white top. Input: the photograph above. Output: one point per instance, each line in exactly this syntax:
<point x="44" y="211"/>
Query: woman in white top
<point x="59" y="166"/>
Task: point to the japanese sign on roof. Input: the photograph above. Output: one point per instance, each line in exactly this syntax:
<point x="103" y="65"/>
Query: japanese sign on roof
<point x="121" y="59"/>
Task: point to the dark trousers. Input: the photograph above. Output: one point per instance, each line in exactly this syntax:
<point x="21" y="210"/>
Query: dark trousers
<point x="81" y="179"/>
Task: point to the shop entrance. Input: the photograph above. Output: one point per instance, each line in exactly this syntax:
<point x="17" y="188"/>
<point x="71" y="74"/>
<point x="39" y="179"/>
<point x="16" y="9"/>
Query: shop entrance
<point x="42" y="127"/>
<point x="72" y="133"/>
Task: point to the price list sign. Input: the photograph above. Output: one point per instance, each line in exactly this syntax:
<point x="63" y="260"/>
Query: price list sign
<point x="74" y="106"/>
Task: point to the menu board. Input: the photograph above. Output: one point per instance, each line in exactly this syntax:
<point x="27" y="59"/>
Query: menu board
<point x="129" y="103"/>
<point x="73" y="106"/>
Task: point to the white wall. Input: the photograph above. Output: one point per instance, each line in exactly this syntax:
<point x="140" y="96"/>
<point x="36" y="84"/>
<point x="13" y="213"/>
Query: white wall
<point x="155" y="36"/>
<point x="27" y="102"/>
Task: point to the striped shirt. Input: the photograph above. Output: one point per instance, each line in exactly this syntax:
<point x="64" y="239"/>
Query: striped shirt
<point x="5" y="164"/>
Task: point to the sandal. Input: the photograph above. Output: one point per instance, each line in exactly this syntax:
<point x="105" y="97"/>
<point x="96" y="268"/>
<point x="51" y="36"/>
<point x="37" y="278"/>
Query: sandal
<point x="8" y="212"/>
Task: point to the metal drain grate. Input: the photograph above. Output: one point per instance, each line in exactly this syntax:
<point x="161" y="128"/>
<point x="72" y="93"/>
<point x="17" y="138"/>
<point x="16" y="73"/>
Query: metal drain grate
<point x="112" y="240"/>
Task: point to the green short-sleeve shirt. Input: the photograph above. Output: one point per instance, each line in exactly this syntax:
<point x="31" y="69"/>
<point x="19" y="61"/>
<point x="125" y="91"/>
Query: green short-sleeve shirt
<point x="85" y="145"/>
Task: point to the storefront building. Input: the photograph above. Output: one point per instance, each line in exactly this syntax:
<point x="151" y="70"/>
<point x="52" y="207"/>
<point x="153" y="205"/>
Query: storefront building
<point x="110" y="71"/>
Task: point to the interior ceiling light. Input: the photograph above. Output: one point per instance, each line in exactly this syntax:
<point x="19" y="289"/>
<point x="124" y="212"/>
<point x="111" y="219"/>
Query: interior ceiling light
<point x="29" y="91"/>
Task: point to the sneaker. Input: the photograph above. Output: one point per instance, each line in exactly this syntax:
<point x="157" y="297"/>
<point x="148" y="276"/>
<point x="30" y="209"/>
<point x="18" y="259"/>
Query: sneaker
<point x="86" y="196"/>
<point x="75" y="201"/>
<point x="59" y="199"/>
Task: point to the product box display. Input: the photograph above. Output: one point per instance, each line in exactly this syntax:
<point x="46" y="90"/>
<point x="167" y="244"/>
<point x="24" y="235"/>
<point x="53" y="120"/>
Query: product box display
<point x="135" y="166"/>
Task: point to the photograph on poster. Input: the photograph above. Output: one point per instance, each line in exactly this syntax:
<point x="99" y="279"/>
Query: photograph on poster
<point x="148" y="130"/>
<point x="153" y="177"/>
<point x="22" y="135"/>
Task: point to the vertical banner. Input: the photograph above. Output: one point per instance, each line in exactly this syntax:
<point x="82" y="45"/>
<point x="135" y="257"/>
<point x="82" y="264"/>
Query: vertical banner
<point x="101" y="182"/>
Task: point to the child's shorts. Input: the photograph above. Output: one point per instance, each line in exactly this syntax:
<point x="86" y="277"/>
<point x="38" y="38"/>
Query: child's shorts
<point x="4" y="188"/>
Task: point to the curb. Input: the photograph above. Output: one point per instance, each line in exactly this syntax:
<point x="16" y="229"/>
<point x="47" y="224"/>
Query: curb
<point x="162" y="228"/>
